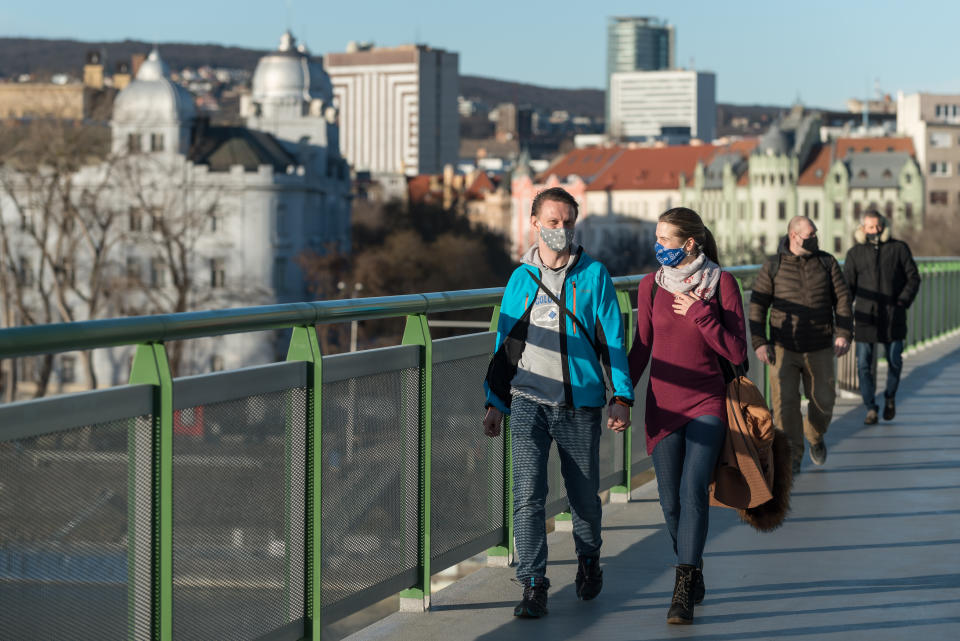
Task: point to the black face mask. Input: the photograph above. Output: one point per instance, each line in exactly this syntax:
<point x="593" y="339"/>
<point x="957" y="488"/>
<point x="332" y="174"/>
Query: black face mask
<point x="873" y="238"/>
<point x="810" y="244"/>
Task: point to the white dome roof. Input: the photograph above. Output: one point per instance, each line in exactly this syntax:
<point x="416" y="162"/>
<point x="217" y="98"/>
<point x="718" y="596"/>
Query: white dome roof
<point x="289" y="73"/>
<point x="152" y="98"/>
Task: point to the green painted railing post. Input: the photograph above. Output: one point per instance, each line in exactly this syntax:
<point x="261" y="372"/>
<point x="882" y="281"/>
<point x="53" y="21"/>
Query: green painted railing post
<point x="502" y="555"/>
<point x="417" y="332"/>
<point x="621" y="493"/>
<point x="150" y="367"/>
<point x="305" y="346"/>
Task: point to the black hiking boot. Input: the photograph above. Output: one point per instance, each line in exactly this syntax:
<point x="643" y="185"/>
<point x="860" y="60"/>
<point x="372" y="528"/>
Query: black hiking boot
<point x="889" y="409"/>
<point x="681" y="608"/>
<point x="589" y="577"/>
<point x="871" y="418"/>
<point x="699" y="587"/>
<point x="534" y="603"/>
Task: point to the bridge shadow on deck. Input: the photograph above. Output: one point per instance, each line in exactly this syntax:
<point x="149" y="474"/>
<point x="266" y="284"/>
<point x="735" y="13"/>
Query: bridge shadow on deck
<point x="870" y="550"/>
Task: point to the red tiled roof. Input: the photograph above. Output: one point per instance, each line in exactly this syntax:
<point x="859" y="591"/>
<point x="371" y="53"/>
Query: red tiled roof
<point x="652" y="167"/>
<point x="481" y="185"/>
<point x="816" y="172"/>
<point x="418" y="187"/>
<point x="858" y="145"/>
<point x="582" y="162"/>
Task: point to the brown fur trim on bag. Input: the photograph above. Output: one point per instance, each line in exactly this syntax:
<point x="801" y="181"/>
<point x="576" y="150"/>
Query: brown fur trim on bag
<point x="770" y="515"/>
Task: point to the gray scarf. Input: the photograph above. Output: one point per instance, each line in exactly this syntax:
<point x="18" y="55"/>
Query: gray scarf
<point x="700" y="278"/>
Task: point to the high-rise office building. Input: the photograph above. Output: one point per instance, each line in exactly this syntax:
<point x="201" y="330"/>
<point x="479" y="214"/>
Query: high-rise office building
<point x="670" y="105"/>
<point x="398" y="108"/>
<point x="638" y="44"/>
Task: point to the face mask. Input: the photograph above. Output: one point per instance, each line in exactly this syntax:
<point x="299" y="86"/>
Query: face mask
<point x="557" y="239"/>
<point x="810" y="244"/>
<point x="669" y="257"/>
<point x="873" y="238"/>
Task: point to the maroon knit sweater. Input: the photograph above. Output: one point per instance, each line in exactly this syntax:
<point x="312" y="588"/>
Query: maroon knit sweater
<point x="685" y="377"/>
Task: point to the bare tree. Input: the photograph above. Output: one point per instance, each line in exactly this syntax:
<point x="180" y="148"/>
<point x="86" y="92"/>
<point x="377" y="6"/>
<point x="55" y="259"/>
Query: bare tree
<point x="172" y="213"/>
<point x="41" y="229"/>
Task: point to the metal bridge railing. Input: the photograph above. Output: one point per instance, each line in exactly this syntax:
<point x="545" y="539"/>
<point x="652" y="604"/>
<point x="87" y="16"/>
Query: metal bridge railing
<point x="333" y="481"/>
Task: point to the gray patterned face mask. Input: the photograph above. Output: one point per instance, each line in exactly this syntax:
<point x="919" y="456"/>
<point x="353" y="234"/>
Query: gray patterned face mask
<point x="557" y="239"/>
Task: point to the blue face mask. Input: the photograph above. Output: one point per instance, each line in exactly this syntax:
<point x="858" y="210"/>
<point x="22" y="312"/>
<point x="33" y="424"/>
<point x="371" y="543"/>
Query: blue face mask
<point x="669" y="257"/>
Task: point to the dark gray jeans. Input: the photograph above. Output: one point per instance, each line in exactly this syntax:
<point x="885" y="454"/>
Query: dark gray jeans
<point x="533" y="426"/>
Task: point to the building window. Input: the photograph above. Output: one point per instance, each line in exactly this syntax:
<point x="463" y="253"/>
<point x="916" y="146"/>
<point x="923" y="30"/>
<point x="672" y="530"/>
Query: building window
<point x="837" y="211"/>
<point x="283" y="225"/>
<point x="68" y="272"/>
<point x="836" y="178"/>
<point x="938" y="198"/>
<point x="279" y="274"/>
<point x="216" y="363"/>
<point x="856" y="211"/>
<point x="136" y="219"/>
<point x="25" y="272"/>
<point x="156" y="220"/>
<point x="68" y="369"/>
<point x="940" y="139"/>
<point x="133" y="268"/>
<point x="218" y="273"/>
<point x="156" y="142"/>
<point x="806" y="208"/>
<point x="133" y="143"/>
<point x="158" y="273"/>
<point x="782" y="210"/>
<point x="763" y="210"/>
<point x="816" y="210"/>
<point x="783" y="180"/>
<point x="762" y="243"/>
<point x="837" y="244"/>
<point x="888" y="210"/>
<point x="216" y="221"/>
<point x="908" y="211"/>
<point x="940" y="168"/>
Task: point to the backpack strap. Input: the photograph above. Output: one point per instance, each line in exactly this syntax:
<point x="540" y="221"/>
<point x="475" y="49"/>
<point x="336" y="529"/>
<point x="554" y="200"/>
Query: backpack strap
<point x="824" y="260"/>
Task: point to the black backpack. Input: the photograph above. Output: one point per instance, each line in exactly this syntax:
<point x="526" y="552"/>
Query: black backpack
<point x="730" y="370"/>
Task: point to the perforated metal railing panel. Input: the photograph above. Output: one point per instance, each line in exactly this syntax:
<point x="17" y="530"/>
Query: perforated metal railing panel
<point x="467" y="465"/>
<point x="238" y="516"/>
<point x="65" y="500"/>
<point x="370" y="484"/>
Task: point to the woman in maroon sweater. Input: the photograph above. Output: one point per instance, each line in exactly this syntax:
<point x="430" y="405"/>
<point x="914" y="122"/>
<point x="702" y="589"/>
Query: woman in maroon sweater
<point x="690" y="314"/>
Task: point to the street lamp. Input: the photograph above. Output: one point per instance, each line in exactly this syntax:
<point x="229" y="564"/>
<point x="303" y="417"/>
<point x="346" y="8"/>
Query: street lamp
<point x="357" y="288"/>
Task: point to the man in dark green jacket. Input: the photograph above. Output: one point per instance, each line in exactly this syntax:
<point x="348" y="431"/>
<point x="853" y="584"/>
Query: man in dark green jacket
<point x="883" y="281"/>
<point x="810" y="324"/>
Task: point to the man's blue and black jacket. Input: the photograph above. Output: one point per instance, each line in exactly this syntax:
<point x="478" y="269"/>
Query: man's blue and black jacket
<point x="587" y="294"/>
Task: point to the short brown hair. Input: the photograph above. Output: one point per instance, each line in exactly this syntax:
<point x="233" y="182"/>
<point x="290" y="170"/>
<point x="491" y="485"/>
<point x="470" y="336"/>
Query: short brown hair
<point x="558" y="195"/>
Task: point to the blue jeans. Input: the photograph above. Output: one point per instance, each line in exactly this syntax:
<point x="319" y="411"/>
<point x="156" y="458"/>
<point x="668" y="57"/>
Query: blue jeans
<point x="533" y="426"/>
<point x="684" y="462"/>
<point x="868" y="387"/>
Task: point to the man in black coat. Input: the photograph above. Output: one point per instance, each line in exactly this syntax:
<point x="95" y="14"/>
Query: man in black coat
<point x="883" y="281"/>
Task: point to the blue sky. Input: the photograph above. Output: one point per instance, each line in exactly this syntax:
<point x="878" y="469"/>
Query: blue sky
<point x="763" y="52"/>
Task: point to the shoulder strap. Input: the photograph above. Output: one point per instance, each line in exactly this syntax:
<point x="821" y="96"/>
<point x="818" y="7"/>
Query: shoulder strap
<point x="565" y="311"/>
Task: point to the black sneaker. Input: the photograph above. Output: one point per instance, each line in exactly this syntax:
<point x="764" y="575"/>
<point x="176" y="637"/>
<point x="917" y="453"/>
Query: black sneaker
<point x="889" y="410"/>
<point x="589" y="577"/>
<point x="871" y="418"/>
<point x="534" y="604"/>
<point x="818" y="453"/>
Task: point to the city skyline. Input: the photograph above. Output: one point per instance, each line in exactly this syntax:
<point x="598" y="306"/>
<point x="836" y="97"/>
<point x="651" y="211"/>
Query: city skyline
<point x="829" y="52"/>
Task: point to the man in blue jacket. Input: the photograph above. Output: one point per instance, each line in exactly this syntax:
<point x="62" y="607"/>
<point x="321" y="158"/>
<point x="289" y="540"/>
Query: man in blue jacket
<point x="560" y="334"/>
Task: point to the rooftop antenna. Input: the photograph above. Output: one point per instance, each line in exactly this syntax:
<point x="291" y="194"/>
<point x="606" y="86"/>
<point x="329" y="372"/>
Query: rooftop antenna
<point x="289" y="12"/>
<point x="866" y="110"/>
<point x="416" y="35"/>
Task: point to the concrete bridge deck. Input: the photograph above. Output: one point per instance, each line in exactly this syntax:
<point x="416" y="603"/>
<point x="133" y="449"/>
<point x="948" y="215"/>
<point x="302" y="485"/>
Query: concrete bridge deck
<point x="871" y="549"/>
